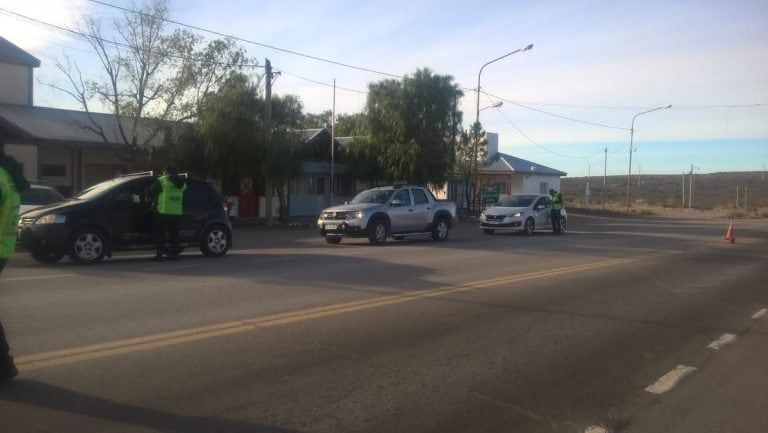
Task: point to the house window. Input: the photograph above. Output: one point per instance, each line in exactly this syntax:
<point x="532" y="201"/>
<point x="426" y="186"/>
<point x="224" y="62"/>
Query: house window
<point x="543" y="188"/>
<point x="320" y="182"/>
<point x="53" y="170"/>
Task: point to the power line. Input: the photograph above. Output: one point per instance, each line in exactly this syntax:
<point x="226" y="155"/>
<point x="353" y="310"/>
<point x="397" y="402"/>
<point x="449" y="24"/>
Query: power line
<point x="556" y="115"/>
<point x="543" y="147"/>
<point x="272" y="47"/>
<point x="119" y="44"/>
<point x="321" y="83"/>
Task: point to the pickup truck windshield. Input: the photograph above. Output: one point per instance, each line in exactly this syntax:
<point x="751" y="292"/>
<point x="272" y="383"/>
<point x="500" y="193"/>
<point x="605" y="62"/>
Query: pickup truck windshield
<point x="379" y="196"/>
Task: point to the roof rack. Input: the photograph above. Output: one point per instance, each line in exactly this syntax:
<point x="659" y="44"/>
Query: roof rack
<point x="141" y="173"/>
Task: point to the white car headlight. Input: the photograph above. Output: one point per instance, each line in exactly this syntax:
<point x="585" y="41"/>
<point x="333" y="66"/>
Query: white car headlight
<point x="355" y="215"/>
<point x="517" y="215"/>
<point x="51" y="219"/>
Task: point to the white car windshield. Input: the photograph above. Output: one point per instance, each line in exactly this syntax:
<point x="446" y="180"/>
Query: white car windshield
<point x="379" y="196"/>
<point x="517" y="201"/>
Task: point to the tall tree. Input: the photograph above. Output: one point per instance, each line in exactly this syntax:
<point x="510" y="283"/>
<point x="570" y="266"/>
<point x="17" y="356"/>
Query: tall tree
<point x="471" y="154"/>
<point x="347" y="125"/>
<point x="413" y="125"/>
<point x="151" y="75"/>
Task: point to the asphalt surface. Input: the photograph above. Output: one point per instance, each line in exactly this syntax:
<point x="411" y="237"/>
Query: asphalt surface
<point x="622" y="324"/>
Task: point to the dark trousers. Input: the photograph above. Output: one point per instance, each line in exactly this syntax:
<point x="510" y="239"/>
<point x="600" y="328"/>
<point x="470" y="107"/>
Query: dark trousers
<point x="7" y="369"/>
<point x="555" y="217"/>
<point x="167" y="223"/>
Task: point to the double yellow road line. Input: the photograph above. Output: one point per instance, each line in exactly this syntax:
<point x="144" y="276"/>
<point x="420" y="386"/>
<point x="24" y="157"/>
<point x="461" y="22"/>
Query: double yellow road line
<point x="85" y="353"/>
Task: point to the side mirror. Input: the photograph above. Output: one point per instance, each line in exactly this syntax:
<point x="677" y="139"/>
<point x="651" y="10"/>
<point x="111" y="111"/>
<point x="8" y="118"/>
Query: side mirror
<point x="541" y="207"/>
<point x="397" y="203"/>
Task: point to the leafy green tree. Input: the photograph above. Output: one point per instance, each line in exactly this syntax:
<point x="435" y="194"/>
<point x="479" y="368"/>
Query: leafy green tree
<point x="413" y="124"/>
<point x="230" y="127"/>
<point x="279" y="161"/>
<point x="471" y="154"/>
<point x="151" y="75"/>
<point x="347" y="125"/>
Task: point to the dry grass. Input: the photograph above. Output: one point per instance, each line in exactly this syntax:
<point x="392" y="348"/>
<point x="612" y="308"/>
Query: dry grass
<point x="714" y="195"/>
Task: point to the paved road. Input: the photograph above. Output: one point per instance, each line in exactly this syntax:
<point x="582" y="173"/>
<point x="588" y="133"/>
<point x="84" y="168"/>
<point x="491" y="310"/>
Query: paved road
<point x="606" y="328"/>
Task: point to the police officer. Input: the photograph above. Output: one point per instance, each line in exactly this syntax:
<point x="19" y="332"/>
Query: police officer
<point x="168" y="192"/>
<point x="556" y="201"/>
<point x="12" y="183"/>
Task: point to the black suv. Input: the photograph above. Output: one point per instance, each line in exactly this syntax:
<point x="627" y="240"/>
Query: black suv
<point x="116" y="215"/>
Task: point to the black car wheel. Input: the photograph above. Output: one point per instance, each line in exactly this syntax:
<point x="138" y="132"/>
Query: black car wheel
<point x="441" y="229"/>
<point x="377" y="232"/>
<point x="88" y="245"/>
<point x="215" y="241"/>
<point x="529" y="227"/>
<point x="47" y="256"/>
<point x="333" y="239"/>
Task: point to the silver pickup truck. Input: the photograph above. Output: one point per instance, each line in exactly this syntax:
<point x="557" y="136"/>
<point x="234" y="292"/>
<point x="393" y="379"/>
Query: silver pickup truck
<point x="399" y="211"/>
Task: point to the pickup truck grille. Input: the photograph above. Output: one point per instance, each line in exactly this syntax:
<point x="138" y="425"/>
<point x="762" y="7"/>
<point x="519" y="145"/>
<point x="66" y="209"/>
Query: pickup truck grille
<point x="334" y="215"/>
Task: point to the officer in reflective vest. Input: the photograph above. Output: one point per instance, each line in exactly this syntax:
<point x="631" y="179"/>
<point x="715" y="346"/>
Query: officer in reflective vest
<point x="12" y="183"/>
<point x="168" y="192"/>
<point x="556" y="201"/>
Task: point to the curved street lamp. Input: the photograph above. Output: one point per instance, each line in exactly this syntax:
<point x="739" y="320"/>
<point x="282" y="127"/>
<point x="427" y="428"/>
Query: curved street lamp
<point x="631" y="141"/>
<point x="477" y="116"/>
<point x="496" y="104"/>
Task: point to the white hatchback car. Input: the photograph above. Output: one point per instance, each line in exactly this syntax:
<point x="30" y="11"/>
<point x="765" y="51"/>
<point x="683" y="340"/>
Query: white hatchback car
<point x="522" y="213"/>
<point x="37" y="196"/>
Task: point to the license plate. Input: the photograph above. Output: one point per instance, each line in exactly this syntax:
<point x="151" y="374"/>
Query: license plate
<point x="330" y="226"/>
<point x="493" y="222"/>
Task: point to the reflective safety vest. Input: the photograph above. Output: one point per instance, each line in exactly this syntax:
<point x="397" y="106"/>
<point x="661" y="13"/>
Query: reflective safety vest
<point x="556" y="200"/>
<point x="9" y="214"/>
<point x="170" y="198"/>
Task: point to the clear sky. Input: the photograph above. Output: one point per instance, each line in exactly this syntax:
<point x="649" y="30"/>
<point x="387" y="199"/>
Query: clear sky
<point x="594" y="66"/>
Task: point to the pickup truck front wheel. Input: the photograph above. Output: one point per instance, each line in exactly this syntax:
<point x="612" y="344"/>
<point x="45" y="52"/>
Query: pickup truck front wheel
<point x="377" y="232"/>
<point x="441" y="230"/>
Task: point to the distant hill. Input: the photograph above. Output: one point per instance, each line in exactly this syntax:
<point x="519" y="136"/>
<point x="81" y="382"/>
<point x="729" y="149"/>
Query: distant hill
<point x="710" y="191"/>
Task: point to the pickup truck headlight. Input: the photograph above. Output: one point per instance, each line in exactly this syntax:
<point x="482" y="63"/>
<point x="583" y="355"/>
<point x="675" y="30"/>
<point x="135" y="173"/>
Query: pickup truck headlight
<point x="51" y="219"/>
<point x="354" y="215"/>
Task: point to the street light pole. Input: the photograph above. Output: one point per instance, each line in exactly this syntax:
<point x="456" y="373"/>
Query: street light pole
<point x="477" y="114"/>
<point x="476" y="144"/>
<point x="631" y="145"/>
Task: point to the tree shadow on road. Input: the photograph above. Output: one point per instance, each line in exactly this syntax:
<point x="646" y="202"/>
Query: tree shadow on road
<point x="54" y="398"/>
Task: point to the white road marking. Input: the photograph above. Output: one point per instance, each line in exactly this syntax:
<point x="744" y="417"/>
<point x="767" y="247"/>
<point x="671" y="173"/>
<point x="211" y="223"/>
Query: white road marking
<point x="596" y="429"/>
<point x="760" y="314"/>
<point x="723" y="341"/>
<point x="39" y="277"/>
<point x="669" y="380"/>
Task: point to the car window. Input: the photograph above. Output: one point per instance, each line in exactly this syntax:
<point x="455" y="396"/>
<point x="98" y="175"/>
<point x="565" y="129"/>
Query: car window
<point x="543" y="201"/>
<point x="419" y="197"/>
<point x="404" y="197"/>
<point x="379" y="196"/>
<point x="40" y="196"/>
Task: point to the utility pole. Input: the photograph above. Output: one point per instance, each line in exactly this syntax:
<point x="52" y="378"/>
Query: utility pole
<point x="746" y="187"/>
<point x="690" y="187"/>
<point x="639" y="169"/>
<point x="587" y="192"/>
<point x="333" y="141"/>
<point x="683" y="204"/>
<point x="268" y="139"/>
<point x="605" y="172"/>
<point x="737" y="196"/>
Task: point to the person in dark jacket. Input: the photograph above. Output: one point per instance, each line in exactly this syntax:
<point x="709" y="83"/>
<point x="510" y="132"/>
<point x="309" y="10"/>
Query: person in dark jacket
<point x="12" y="184"/>
<point x="556" y="201"/>
<point x="168" y="195"/>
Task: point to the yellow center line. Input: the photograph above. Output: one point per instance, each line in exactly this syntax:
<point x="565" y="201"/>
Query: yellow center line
<point x="77" y="354"/>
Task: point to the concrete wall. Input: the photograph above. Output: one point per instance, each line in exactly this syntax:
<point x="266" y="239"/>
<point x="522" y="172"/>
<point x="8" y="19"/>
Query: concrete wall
<point x="15" y="84"/>
<point x="539" y="184"/>
<point x="25" y="154"/>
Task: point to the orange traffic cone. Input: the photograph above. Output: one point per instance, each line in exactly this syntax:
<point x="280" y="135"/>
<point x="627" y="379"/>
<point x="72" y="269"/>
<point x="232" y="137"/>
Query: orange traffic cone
<point x="729" y="234"/>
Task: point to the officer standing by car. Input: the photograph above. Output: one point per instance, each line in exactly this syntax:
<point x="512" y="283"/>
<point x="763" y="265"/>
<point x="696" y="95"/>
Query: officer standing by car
<point x="12" y="184"/>
<point x="556" y="203"/>
<point x="168" y="193"/>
